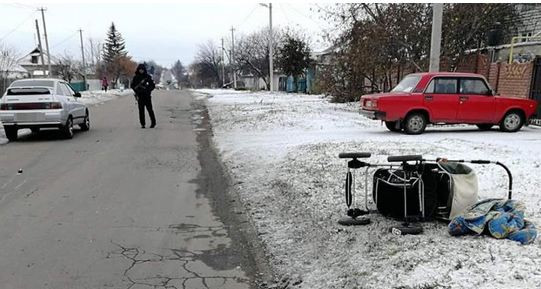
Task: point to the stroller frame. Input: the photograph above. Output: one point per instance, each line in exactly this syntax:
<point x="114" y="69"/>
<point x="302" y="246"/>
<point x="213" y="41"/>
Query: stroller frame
<point x="411" y="173"/>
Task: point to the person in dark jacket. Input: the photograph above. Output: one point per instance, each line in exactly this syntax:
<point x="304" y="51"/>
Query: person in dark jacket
<point x="142" y="84"/>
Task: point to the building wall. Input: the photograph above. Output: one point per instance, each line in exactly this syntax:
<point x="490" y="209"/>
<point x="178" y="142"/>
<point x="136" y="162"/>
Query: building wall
<point x="529" y="19"/>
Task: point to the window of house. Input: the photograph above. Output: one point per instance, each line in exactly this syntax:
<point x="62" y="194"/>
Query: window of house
<point x="34" y="59"/>
<point x="442" y="85"/>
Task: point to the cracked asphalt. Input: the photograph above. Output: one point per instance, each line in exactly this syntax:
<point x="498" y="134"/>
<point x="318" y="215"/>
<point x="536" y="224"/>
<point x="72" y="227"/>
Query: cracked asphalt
<point x="123" y="207"/>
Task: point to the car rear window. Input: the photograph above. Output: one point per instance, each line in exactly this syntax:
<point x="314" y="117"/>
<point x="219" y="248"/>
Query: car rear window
<point x="28" y="91"/>
<point x="33" y="82"/>
<point x="407" y="84"/>
<point x="443" y="85"/>
<point x="473" y="86"/>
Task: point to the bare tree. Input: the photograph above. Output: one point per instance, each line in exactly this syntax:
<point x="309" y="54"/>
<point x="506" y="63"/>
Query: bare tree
<point x="93" y="51"/>
<point x="68" y="67"/>
<point x="8" y="57"/>
<point x="252" y="53"/>
<point x="207" y="64"/>
<point x="8" y="61"/>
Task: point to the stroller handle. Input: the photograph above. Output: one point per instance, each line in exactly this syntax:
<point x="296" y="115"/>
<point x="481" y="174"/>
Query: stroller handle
<point x="405" y="158"/>
<point x="486" y="162"/>
<point x="357" y="155"/>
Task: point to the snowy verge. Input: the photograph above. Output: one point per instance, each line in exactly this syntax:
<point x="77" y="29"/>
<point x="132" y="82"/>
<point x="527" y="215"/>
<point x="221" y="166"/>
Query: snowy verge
<point x="97" y="97"/>
<point x="281" y="151"/>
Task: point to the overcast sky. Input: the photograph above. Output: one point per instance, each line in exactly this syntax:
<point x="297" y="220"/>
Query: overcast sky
<point x="163" y="31"/>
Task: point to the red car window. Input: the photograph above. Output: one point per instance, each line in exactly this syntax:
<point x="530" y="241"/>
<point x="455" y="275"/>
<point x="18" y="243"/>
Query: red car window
<point x="473" y="86"/>
<point x="442" y="86"/>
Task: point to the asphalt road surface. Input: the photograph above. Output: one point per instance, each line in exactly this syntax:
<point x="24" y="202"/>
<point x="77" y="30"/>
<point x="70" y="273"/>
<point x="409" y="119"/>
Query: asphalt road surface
<point x="120" y="206"/>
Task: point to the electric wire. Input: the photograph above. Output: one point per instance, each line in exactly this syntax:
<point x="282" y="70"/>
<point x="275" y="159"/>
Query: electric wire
<point x="64" y="40"/>
<point x="17" y="27"/>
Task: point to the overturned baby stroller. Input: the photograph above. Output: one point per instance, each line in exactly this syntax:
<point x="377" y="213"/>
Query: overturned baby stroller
<point x="412" y="189"/>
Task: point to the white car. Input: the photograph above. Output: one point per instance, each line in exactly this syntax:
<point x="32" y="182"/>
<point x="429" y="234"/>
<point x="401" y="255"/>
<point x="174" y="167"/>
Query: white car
<point x="42" y="103"/>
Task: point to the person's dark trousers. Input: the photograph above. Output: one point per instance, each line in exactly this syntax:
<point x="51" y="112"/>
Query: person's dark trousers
<point x="146" y="102"/>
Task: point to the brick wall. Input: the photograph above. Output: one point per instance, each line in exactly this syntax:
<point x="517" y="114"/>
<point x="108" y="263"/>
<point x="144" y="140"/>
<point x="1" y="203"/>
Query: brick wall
<point x="507" y="79"/>
<point x="493" y="75"/>
<point x="472" y="63"/>
<point x="515" y="79"/>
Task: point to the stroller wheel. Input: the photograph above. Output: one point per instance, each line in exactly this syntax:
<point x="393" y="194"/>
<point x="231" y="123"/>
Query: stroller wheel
<point x="407" y="230"/>
<point x="347" y="221"/>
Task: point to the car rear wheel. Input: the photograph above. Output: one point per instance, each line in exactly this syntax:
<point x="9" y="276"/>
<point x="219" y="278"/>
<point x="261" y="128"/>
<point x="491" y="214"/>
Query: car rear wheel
<point x="512" y="122"/>
<point x="415" y="123"/>
<point x="11" y="133"/>
<point x="485" y="126"/>
<point x="67" y="129"/>
<point x="391" y="125"/>
<point x="85" y="126"/>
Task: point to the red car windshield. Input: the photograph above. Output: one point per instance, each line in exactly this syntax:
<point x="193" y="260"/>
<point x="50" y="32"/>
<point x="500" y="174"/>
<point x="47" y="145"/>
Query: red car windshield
<point x="407" y="84"/>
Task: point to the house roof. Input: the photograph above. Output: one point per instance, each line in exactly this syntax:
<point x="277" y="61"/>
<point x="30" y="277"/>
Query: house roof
<point x="27" y="59"/>
<point x="15" y="68"/>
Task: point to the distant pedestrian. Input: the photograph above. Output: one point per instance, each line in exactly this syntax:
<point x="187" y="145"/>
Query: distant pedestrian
<point x="104" y="83"/>
<point x="142" y="84"/>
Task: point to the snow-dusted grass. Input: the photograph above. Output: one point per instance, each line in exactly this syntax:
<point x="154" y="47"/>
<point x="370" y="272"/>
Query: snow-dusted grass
<point x="281" y="150"/>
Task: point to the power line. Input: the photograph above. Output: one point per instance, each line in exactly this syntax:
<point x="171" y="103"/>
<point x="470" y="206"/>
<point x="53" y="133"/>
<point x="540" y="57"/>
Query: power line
<point x="284" y="12"/>
<point x="20" y="5"/>
<point x="18" y="26"/>
<point x="64" y="40"/>
<point x="249" y="14"/>
<point x="303" y="15"/>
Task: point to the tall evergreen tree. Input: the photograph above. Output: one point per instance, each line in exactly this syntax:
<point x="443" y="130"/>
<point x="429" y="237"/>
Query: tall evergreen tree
<point x="114" y="46"/>
<point x="180" y="73"/>
<point x="294" y="57"/>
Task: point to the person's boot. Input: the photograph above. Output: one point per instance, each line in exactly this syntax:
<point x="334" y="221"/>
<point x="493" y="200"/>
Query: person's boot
<point x="153" y="125"/>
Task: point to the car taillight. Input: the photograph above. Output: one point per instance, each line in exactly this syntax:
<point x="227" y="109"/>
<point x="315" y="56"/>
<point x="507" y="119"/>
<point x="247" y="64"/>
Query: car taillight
<point x="53" y="105"/>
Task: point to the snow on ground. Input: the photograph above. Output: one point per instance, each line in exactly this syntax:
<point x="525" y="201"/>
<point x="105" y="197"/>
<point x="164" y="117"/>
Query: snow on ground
<point x="281" y="151"/>
<point x="96" y="97"/>
<point x="3" y="139"/>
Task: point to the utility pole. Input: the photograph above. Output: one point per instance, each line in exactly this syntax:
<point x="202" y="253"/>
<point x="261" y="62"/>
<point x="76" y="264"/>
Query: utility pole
<point x="46" y="39"/>
<point x="271" y="68"/>
<point x="83" y="56"/>
<point x="435" y="41"/>
<point x="40" y="48"/>
<point x="223" y="64"/>
<point x="271" y="55"/>
<point x="91" y="52"/>
<point x="233" y="57"/>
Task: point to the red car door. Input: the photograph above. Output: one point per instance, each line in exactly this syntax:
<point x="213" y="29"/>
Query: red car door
<point x="441" y="99"/>
<point x="476" y="102"/>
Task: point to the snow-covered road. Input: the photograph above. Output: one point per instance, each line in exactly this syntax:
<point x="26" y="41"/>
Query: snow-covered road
<point x="281" y="151"/>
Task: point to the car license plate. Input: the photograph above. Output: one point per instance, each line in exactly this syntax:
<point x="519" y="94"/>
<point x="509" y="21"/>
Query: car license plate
<point x="31" y="116"/>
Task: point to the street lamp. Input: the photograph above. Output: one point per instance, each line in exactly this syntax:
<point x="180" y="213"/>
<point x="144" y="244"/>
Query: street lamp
<point x="271" y="68"/>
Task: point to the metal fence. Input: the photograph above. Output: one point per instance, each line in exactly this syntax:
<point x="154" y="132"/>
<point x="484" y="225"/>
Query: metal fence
<point x="4" y="84"/>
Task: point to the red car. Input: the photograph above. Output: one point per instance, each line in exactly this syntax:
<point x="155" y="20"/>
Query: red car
<point x="446" y="98"/>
